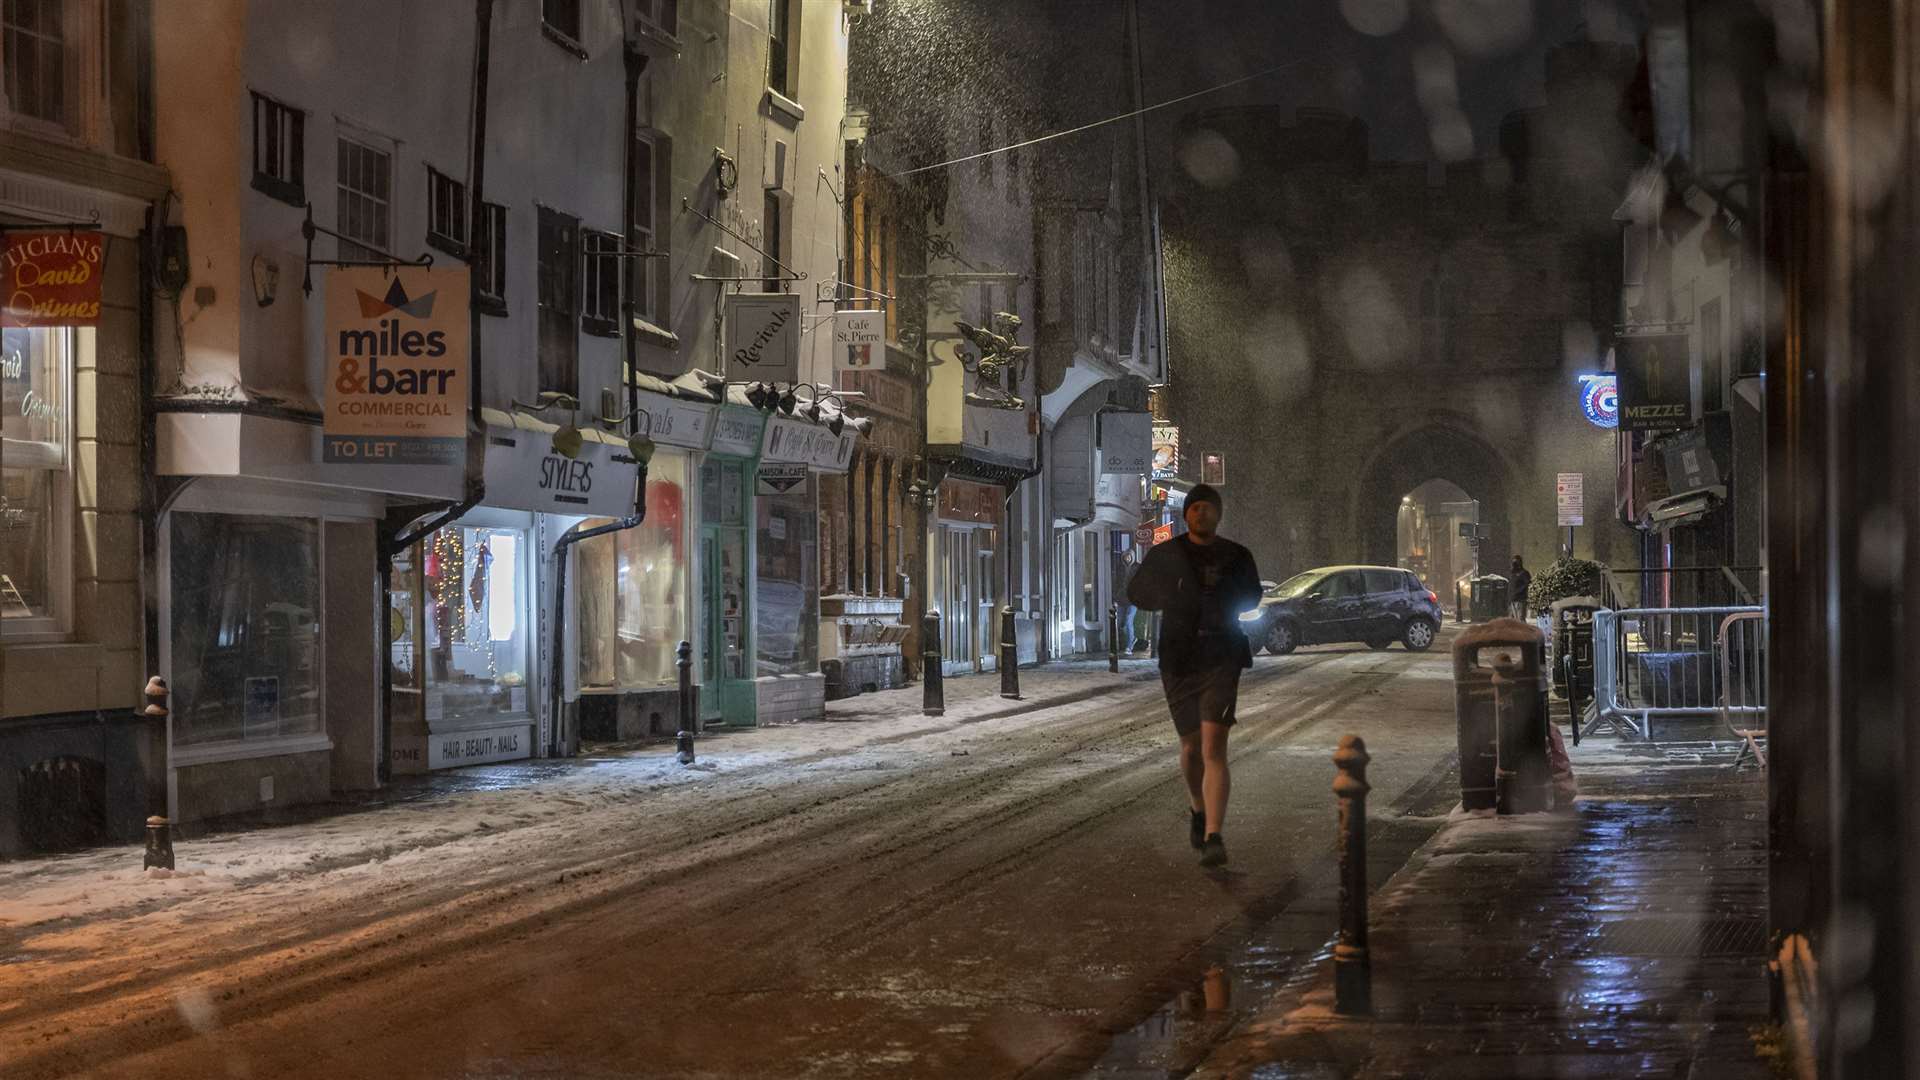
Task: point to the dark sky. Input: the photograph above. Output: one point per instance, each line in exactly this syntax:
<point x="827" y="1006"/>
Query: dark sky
<point x="1495" y="50"/>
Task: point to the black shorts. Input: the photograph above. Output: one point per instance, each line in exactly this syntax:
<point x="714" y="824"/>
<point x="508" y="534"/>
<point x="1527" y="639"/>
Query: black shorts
<point x="1205" y="696"/>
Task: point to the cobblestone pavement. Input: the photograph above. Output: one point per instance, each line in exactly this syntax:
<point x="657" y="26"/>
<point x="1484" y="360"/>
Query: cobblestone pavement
<point x="1623" y="938"/>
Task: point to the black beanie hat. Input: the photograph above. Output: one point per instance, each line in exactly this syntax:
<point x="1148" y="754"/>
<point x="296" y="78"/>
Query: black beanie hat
<point x="1205" y="493"/>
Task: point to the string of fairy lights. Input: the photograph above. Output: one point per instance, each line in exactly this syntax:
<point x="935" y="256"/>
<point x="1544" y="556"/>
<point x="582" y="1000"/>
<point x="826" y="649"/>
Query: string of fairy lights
<point x="450" y="556"/>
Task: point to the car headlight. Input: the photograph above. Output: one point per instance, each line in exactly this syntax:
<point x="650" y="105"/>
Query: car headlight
<point x="1252" y="616"/>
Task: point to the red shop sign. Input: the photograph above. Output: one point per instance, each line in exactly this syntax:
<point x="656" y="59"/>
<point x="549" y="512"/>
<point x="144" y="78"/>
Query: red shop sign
<point x="52" y="278"/>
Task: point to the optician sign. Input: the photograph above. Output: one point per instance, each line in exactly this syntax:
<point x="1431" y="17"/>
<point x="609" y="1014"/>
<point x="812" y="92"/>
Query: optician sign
<point x="763" y="337"/>
<point x="52" y="278"/>
<point x="396" y="373"/>
<point x="524" y="473"/>
<point x="1600" y="400"/>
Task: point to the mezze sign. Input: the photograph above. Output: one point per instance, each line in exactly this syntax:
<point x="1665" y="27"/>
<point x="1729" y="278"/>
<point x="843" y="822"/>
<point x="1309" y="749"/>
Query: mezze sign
<point x="52" y="278"/>
<point x="1654" y="390"/>
<point x="396" y="345"/>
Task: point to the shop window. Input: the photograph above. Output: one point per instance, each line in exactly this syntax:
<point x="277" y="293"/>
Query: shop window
<point x="478" y="623"/>
<point x="36" y="486"/>
<point x="279" y="151"/>
<point x="244" y="616"/>
<point x="787" y="623"/>
<point x="631" y="596"/>
<point x="364" y="177"/>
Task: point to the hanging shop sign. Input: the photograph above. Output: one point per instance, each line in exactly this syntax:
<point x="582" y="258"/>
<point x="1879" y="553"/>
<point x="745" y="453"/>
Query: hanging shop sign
<point x="1166" y="451"/>
<point x="737" y="432"/>
<point x="763" y="337"/>
<point x="780" y="480"/>
<point x="397" y="354"/>
<point x="800" y="442"/>
<point x="525" y="473"/>
<point x="1126" y="442"/>
<point x="1653" y="382"/>
<point x="1600" y="400"/>
<point x="52" y="278"/>
<point x="858" y="340"/>
<point x="685" y="424"/>
<point x="1570" y="493"/>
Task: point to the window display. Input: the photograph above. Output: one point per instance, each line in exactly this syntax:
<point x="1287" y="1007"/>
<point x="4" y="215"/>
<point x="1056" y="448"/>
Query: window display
<point x="478" y="630"/>
<point x="630" y="600"/>
<point x="787" y="624"/>
<point x="244" y="614"/>
<point x="35" y="374"/>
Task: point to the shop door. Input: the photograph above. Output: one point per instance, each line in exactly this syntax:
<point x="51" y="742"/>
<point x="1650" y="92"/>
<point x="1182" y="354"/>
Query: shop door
<point x="957" y="615"/>
<point x="987" y="619"/>
<point x="726" y="646"/>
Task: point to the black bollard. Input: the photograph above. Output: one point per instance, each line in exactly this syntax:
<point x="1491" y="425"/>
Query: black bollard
<point x="934" y="692"/>
<point x="688" y="714"/>
<point x="1009" y="656"/>
<point x="1352" y="972"/>
<point x="159" y="829"/>
<point x="1113" y="637"/>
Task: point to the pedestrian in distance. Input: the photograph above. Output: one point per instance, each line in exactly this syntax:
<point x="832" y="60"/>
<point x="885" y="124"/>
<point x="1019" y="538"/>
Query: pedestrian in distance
<point x="1521" y="580"/>
<point x="1200" y="582"/>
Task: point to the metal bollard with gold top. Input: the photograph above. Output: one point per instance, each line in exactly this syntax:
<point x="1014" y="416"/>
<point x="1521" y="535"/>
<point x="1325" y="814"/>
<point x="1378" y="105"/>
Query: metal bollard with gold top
<point x="159" y="829"/>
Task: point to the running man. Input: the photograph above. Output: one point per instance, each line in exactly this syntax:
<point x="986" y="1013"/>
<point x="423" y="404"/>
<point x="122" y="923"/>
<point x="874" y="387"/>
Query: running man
<point x="1202" y="583"/>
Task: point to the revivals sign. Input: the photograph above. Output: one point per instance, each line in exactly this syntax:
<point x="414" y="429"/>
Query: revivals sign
<point x="53" y="278"/>
<point x="763" y="337"/>
<point x="397" y="356"/>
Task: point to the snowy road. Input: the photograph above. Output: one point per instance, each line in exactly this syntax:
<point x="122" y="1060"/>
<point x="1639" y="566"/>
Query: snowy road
<point x="891" y="897"/>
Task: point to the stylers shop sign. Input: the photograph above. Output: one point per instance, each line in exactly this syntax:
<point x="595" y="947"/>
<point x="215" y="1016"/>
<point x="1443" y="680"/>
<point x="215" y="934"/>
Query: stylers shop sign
<point x="52" y="278"/>
<point x="397" y="356"/>
<point x="763" y="337"/>
<point x="525" y="473"/>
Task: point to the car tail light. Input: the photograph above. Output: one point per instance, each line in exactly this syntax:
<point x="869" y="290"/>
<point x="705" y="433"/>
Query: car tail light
<point x="1433" y="596"/>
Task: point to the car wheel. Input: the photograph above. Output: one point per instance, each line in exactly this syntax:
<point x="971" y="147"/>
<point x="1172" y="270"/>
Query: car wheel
<point x="1418" y="636"/>
<point x="1378" y="644"/>
<point x="1281" y="639"/>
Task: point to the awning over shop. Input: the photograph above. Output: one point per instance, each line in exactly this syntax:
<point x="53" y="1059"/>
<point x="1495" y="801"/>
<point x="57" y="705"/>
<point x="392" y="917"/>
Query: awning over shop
<point x="525" y="472"/>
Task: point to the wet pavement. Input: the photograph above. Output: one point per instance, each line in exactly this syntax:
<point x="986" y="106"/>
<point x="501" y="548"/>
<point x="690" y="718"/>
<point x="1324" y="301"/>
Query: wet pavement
<point x="1625" y="938"/>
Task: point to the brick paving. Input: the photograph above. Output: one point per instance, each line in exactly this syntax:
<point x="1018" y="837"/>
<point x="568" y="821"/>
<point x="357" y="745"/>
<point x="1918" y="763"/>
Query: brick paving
<point x="1623" y="938"/>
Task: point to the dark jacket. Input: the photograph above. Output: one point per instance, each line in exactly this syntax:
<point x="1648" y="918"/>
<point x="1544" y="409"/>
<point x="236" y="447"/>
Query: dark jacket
<point x="1167" y="582"/>
<point x="1522" y="580"/>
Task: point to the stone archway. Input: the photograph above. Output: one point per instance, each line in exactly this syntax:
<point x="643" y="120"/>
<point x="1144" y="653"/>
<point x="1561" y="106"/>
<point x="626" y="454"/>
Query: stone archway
<point x="1433" y="451"/>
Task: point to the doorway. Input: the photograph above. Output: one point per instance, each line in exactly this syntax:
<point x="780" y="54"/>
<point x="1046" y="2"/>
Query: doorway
<point x="1429" y="539"/>
<point x="726" y="653"/>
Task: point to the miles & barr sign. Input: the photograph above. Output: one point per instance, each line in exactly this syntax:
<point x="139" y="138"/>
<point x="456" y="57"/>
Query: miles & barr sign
<point x="396" y="342"/>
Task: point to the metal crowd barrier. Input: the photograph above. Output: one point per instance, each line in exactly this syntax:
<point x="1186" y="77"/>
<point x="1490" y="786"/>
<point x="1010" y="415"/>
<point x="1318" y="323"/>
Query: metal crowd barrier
<point x="1674" y="662"/>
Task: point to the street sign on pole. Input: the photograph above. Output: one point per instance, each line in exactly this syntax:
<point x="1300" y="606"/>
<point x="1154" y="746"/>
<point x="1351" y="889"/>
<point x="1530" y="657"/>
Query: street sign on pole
<point x="1570" y="492"/>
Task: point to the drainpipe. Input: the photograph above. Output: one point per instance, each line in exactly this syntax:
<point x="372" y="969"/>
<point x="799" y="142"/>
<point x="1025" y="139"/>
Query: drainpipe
<point x="477" y="425"/>
<point x="636" y="63"/>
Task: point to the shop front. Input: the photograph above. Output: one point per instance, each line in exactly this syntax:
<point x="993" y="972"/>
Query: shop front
<point x="473" y="605"/>
<point x="968" y="572"/>
<point x="794" y="454"/>
<point x="727" y="536"/>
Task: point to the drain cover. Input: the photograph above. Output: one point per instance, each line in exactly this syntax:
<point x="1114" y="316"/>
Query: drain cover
<point x="1682" y="935"/>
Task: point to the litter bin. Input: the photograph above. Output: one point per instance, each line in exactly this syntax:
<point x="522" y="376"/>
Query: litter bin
<point x="1490" y="597"/>
<point x="1500" y="708"/>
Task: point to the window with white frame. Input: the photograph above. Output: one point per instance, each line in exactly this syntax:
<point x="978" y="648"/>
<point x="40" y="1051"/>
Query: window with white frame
<point x="365" y="199"/>
<point x="446" y="213"/>
<point x="489" y="259"/>
<point x="650" y="155"/>
<point x="279" y="151"/>
<point x="36" y="485"/>
<point x="35" y="58"/>
<point x="600" y="292"/>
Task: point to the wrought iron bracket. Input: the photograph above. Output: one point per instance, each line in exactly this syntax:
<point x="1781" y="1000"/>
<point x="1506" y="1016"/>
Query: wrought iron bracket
<point x="309" y="229"/>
